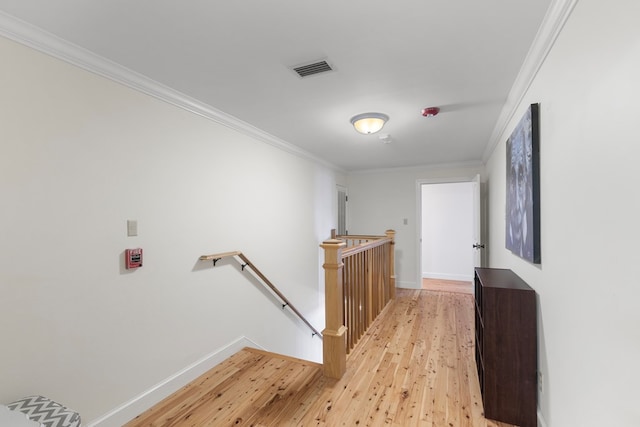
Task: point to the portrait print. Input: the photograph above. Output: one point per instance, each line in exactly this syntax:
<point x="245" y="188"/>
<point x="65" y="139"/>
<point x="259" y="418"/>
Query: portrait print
<point x="523" y="188"/>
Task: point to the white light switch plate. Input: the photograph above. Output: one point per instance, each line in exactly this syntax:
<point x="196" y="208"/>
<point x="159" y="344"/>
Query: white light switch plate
<point x="132" y="227"/>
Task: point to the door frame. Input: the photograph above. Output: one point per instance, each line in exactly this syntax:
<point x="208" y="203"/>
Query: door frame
<point x="451" y="180"/>
<point x="342" y="188"/>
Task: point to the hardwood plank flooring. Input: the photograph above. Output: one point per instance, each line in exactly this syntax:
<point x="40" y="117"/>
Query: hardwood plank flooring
<point x="414" y="367"/>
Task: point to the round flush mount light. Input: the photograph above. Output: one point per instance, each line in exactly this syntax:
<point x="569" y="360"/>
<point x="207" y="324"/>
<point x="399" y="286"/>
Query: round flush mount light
<point x="368" y="123"/>
<point x="430" y="111"/>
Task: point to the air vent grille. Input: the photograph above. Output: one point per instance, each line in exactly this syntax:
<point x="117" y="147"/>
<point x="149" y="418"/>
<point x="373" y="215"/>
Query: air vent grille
<point x="312" y="69"/>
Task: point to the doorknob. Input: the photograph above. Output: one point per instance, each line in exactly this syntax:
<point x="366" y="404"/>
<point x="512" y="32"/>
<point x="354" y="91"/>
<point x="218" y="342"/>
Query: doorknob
<point x="478" y="246"/>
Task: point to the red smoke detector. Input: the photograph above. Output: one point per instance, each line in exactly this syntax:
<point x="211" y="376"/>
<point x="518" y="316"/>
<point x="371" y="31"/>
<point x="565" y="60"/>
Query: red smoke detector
<point x="430" y="111"/>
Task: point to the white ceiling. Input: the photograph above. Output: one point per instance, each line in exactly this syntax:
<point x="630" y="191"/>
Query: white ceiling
<point x="394" y="57"/>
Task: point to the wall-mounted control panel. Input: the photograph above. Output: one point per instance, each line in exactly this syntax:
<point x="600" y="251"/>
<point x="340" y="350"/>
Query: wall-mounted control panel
<point x="133" y="258"/>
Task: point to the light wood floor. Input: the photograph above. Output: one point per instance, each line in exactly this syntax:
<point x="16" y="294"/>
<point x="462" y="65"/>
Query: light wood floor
<point x="447" y="285"/>
<point x="414" y="367"/>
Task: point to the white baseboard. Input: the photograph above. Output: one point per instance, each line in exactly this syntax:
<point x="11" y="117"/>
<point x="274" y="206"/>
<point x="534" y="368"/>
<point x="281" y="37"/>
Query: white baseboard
<point x="541" y="421"/>
<point x="407" y="285"/>
<point x="137" y="405"/>
<point x="445" y="276"/>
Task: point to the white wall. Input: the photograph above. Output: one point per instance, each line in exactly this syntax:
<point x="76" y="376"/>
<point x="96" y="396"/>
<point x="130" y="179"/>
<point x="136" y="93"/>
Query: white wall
<point x="381" y="200"/>
<point x="589" y="340"/>
<point x="80" y="156"/>
<point x="447" y="231"/>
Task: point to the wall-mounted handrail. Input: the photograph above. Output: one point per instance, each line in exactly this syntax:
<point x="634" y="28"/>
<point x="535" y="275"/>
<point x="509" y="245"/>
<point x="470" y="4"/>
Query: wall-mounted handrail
<point x="246" y="263"/>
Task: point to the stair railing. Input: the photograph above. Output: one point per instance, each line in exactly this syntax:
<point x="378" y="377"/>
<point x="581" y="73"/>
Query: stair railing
<point x="359" y="282"/>
<point x="248" y="264"/>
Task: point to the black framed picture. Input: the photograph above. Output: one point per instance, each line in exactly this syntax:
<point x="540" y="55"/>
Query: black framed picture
<point x="523" y="187"/>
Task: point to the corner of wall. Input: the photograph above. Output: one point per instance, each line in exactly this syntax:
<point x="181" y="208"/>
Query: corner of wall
<point x="137" y="405"/>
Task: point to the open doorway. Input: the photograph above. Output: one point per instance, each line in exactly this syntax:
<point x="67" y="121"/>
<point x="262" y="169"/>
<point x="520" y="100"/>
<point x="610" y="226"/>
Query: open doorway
<point x="448" y="233"/>
<point x="343" y="198"/>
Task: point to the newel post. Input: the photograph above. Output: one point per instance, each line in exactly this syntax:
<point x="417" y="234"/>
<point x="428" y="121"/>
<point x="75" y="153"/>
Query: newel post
<point x="334" y="335"/>
<point x="391" y="234"/>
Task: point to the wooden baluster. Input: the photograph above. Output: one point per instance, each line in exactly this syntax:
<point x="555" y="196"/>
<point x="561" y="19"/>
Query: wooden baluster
<point x="352" y="285"/>
<point x="361" y="295"/>
<point x="385" y="273"/>
<point x="375" y="277"/>
<point x="362" y="285"/>
<point x="334" y="339"/>
<point x="366" y="295"/>
<point x="353" y="327"/>
<point x="346" y="289"/>
<point x="355" y="276"/>
<point x="377" y="283"/>
<point x="384" y="281"/>
<point x="362" y="302"/>
<point x="382" y="272"/>
<point x="392" y="256"/>
<point x="357" y="286"/>
<point x="379" y="279"/>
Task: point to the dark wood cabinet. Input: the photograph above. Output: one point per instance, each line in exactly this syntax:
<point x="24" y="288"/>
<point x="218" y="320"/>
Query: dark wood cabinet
<point x="506" y="346"/>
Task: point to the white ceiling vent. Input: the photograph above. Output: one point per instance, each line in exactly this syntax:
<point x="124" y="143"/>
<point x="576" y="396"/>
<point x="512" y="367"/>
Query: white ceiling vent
<point x="317" y="67"/>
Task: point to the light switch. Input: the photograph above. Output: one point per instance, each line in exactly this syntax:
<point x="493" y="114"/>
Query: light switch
<point x="405" y="221"/>
<point x="132" y="227"/>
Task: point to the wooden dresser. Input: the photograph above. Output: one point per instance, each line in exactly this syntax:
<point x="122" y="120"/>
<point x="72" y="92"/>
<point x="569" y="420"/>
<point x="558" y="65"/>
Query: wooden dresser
<point x="506" y="346"/>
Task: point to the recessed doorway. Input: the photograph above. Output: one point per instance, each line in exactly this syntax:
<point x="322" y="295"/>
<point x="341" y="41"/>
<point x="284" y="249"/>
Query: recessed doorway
<point x="449" y="218"/>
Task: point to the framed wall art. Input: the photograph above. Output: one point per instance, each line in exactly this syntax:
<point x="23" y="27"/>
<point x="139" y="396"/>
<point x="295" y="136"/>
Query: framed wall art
<point x="523" y="187"/>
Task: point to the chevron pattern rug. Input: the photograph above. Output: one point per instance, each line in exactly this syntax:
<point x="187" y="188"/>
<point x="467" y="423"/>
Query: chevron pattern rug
<point x="46" y="412"/>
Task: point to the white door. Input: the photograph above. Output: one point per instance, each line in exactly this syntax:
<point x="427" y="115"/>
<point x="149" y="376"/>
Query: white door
<point x="478" y="246"/>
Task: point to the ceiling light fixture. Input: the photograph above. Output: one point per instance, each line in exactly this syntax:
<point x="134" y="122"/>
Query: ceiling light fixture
<point x="368" y="123"/>
<point x="430" y="111"/>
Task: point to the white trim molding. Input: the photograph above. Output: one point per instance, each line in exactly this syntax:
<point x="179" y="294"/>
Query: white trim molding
<point x="140" y="403"/>
<point x="420" y="168"/>
<point x="447" y="276"/>
<point x="52" y="45"/>
<point x="541" y="421"/>
<point x="408" y="285"/>
<point x="555" y="19"/>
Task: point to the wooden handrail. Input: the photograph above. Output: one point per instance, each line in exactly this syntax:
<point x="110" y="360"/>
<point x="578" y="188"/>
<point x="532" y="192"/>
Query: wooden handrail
<point x="263" y="278"/>
<point x="365" y="246"/>
<point x="353" y="240"/>
<point x="358" y="236"/>
<point x="219" y="256"/>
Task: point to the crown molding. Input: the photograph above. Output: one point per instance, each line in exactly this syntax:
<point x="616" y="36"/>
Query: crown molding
<point x="553" y="23"/>
<point x="420" y="168"/>
<point x="34" y="37"/>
